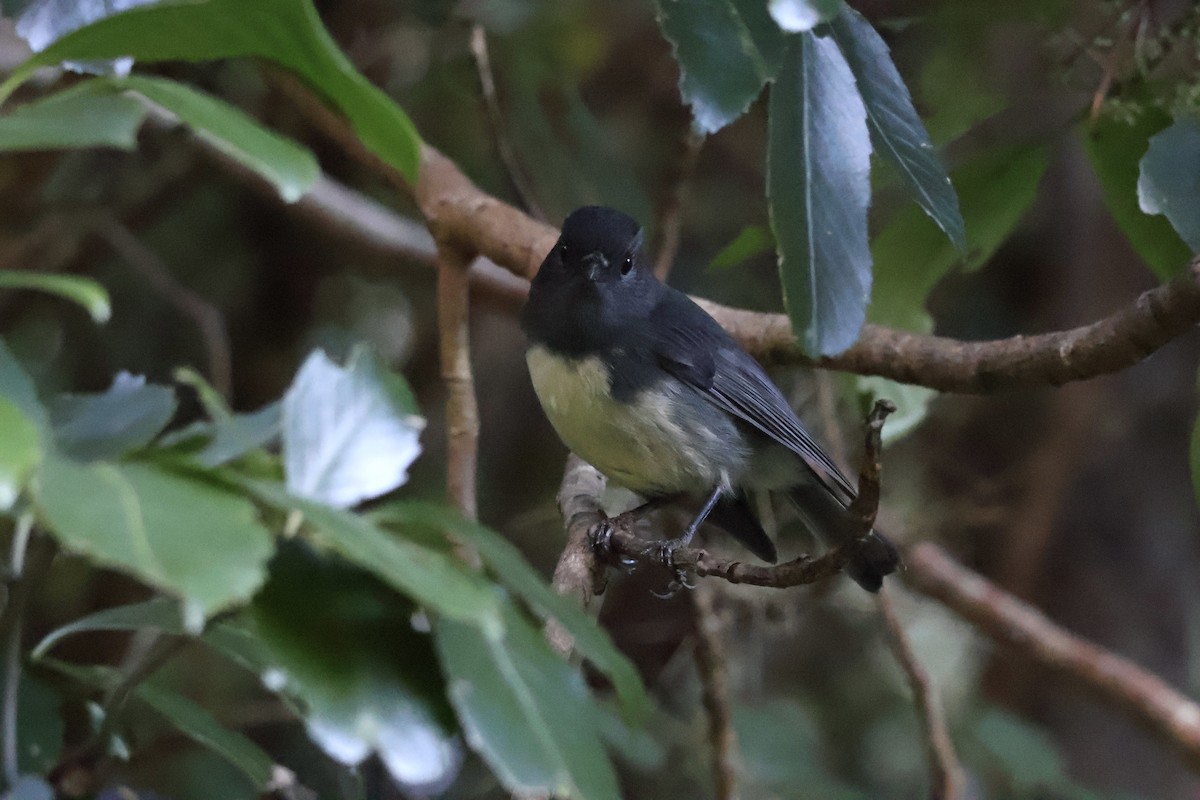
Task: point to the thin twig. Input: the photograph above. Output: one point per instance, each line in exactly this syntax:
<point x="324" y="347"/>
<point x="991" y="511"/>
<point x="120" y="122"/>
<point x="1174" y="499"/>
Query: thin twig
<point x="462" y="412"/>
<point x="1142" y="695"/>
<point x="712" y="664"/>
<point x="206" y="316"/>
<point x="946" y="774"/>
<point x="83" y="759"/>
<point x="670" y="221"/>
<point x="491" y="104"/>
<point x="14" y="613"/>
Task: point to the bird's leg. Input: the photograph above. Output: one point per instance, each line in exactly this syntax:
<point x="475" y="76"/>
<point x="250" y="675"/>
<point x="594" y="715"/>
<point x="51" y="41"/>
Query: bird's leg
<point x="666" y="548"/>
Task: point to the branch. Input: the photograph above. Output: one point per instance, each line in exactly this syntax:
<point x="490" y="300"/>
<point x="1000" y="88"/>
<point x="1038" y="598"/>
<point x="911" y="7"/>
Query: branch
<point x="1143" y="696"/>
<point x="628" y="548"/>
<point x="460" y="213"/>
<point x="712" y="664"/>
<point x="462" y="412"/>
<point x="577" y="573"/>
<point x="946" y="774"/>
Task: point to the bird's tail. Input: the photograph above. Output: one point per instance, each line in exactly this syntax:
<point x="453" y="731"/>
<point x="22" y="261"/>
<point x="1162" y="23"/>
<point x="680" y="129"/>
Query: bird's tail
<point x="873" y="557"/>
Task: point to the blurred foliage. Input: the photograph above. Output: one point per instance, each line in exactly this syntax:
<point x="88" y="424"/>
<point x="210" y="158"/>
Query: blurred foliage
<point x="186" y="527"/>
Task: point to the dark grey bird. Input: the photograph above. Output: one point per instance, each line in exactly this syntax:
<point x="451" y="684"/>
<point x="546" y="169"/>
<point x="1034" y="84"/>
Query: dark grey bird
<point x="646" y="386"/>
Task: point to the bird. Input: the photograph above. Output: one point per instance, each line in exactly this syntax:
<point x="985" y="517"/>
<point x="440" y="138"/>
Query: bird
<point x="643" y="384"/>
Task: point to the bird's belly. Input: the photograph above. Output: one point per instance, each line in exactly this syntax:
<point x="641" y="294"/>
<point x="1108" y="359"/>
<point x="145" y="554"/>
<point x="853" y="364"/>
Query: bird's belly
<point x="645" y="445"/>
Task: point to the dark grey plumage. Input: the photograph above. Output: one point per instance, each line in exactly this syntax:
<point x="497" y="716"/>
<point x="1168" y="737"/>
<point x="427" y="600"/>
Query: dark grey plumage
<point x="646" y="386"/>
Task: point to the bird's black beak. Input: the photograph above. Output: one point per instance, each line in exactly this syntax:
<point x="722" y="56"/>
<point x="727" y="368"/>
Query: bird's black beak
<point x="594" y="263"/>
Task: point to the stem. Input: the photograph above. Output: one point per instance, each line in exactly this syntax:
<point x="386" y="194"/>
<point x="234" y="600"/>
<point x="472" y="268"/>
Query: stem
<point x="14" y="613"/>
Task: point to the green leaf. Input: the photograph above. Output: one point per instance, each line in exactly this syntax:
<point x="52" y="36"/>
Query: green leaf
<point x="84" y="291"/>
<point x="349" y="434"/>
<point x="766" y="35"/>
<point x="184" y="536"/>
<point x="1027" y="754"/>
<point x="1169" y="181"/>
<point x="721" y="70"/>
<point x="429" y="577"/>
<point x="799" y="16"/>
<point x="290" y="168"/>
<point x="818" y="187"/>
<point x="896" y="129"/>
<point x="1115" y="147"/>
<point x="87" y="115"/>
<point x="187" y="717"/>
<point x="20" y="451"/>
<point x="750" y="241"/>
<point x="288" y="32"/>
<point x="229" y="437"/>
<point x="515" y="573"/>
<point x="525" y="710"/>
<point x="128" y="416"/>
<point x="17" y="386"/>
<point x="160" y="614"/>
<point x="196" y="723"/>
<point x="911" y="255"/>
<point x="345" y="645"/>
<point x="912" y="404"/>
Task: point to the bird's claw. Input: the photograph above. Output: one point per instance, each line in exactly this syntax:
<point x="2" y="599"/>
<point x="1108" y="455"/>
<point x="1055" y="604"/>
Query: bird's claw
<point x="600" y="538"/>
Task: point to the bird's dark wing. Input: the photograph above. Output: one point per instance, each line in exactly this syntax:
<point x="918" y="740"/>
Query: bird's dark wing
<point x="693" y="348"/>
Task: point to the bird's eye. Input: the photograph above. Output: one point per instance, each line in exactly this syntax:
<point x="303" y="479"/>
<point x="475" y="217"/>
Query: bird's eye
<point x="562" y="251"/>
<point x="627" y="265"/>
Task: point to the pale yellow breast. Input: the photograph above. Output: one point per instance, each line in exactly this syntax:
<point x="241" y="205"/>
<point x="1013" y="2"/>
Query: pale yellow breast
<point x="637" y="445"/>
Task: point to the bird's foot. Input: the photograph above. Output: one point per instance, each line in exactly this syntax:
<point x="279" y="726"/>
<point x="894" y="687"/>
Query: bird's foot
<point x="663" y="553"/>
<point x="600" y="538"/>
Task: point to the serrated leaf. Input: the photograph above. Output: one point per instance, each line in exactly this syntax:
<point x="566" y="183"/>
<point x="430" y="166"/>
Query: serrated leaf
<point x="1115" y="148"/>
<point x="818" y="187"/>
<point x="108" y="425"/>
<point x="1169" y="180"/>
<point x="431" y="578"/>
<point x="801" y="16"/>
<point x="87" y="115"/>
<point x="720" y="68"/>
<point x="290" y="168"/>
<point x="160" y="614"/>
<point x="20" y="451"/>
<point x="512" y="570"/>
<point x="525" y="710"/>
<point x="184" y="536"/>
<point x="349" y="434"/>
<point x="288" y="32"/>
<point x="911" y="255"/>
<point x="367" y="680"/>
<point x="896" y="129"/>
<point x="769" y="40"/>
